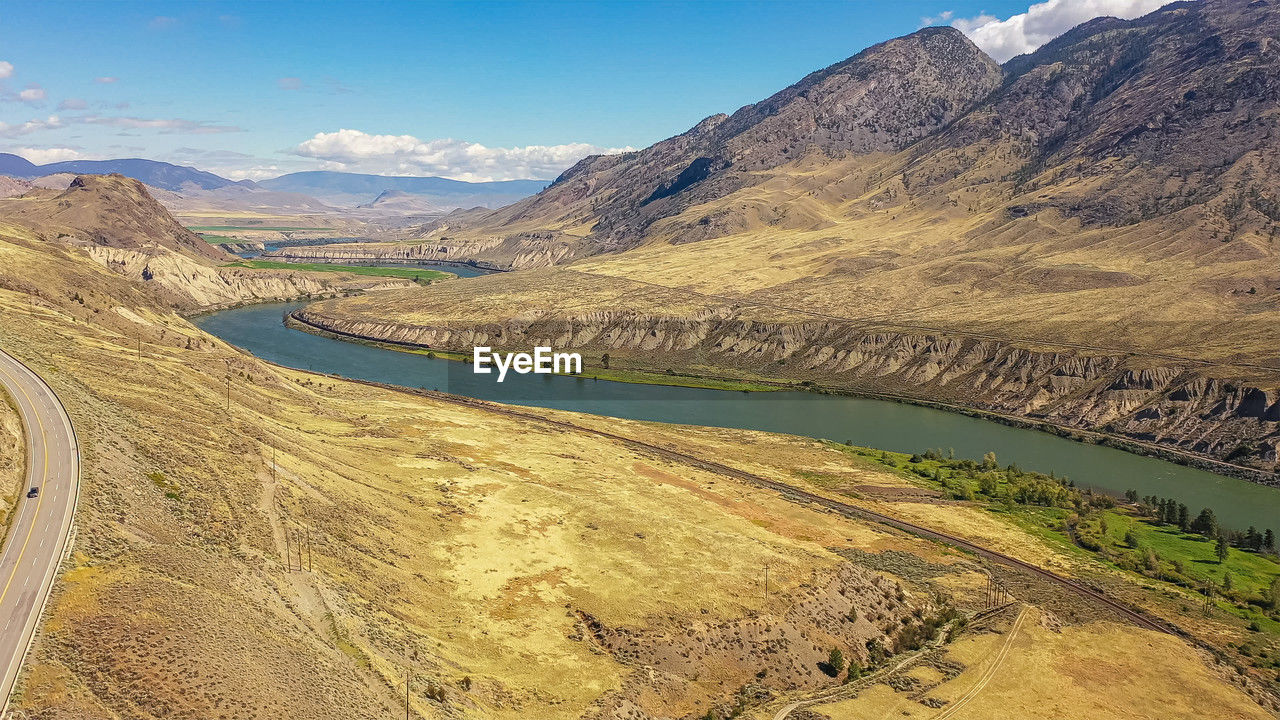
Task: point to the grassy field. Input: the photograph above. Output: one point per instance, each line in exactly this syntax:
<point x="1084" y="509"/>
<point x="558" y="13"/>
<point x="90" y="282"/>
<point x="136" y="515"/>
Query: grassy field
<point x="490" y="545"/>
<point x="1129" y="539"/>
<point x="219" y="239"/>
<point x="415" y="274"/>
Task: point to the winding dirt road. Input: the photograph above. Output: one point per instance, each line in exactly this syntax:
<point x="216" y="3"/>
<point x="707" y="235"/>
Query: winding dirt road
<point x="38" y="534"/>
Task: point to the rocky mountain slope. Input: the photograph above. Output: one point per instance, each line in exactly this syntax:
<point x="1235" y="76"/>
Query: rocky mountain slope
<point x="879" y="101"/>
<point x="1111" y="195"/>
<point x="107" y="211"/>
<point x="116" y="221"/>
<point x="1112" y="124"/>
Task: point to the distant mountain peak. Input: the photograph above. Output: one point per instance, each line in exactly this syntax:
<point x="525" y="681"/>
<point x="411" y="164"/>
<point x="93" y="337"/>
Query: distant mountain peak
<point x="883" y="99"/>
<point x="163" y="175"/>
<point x="111" y="211"/>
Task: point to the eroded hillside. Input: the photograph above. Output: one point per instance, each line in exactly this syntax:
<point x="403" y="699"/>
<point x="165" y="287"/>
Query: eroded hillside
<point x="1094" y="240"/>
<point x="253" y="541"/>
<point x="120" y="225"/>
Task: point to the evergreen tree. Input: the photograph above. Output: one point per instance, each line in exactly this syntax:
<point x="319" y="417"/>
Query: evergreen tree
<point x="1269" y="539"/>
<point x="1205" y="523"/>
<point x="1223" y="549"/>
<point x="835" y="662"/>
<point x="1184" y="517"/>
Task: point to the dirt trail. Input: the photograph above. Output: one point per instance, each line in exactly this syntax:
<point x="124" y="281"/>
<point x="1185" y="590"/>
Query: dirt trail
<point x="990" y="671"/>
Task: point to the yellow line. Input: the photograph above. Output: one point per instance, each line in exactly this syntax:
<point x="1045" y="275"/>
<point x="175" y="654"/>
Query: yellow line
<point x="39" y="498"/>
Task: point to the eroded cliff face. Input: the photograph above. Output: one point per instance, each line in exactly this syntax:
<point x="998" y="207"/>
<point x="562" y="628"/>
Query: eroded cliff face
<point x="521" y="251"/>
<point x="854" y="609"/>
<point x="195" y="285"/>
<point x="1183" y="406"/>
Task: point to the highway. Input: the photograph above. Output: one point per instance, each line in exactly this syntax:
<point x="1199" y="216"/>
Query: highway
<point x="38" y="535"/>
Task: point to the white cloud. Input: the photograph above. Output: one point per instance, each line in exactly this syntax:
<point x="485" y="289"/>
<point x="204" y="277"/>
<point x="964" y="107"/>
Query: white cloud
<point x="356" y="151"/>
<point x="289" y="83"/>
<point x="105" y="80"/>
<point x="31" y="94"/>
<point x="167" y="125"/>
<point x="942" y="18"/>
<point x="164" y="125"/>
<point x="43" y="156"/>
<point x="6" y="69"/>
<point x="53" y="122"/>
<point x="1042" y="22"/>
<point x="73" y="104"/>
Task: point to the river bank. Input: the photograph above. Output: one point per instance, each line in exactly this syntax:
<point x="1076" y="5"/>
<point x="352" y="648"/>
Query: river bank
<point x="889" y="423"/>
<point x="654" y="376"/>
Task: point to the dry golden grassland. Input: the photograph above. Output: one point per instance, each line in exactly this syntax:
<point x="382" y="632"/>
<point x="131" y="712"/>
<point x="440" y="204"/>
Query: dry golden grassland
<point x="1046" y="671"/>
<point x="521" y="569"/>
<point x="13" y="463"/>
<point x="848" y="238"/>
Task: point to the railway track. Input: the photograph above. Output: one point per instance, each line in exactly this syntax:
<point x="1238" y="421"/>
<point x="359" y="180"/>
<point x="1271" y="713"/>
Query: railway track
<point x="796" y="493"/>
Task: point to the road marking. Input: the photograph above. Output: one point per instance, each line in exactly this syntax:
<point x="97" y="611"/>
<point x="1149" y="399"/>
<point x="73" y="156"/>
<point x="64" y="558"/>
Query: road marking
<point x="44" y="477"/>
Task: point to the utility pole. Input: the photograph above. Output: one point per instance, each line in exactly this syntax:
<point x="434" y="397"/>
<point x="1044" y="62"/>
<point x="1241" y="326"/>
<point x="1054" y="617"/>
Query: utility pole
<point x="408" y="673"/>
<point x="308" y="551"/>
<point x="766" y="583"/>
<point x="288" y="555"/>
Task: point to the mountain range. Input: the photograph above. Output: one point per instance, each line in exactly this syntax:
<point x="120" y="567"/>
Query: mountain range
<point x="1114" y="123"/>
<point x="1088" y="234"/>
<point x="334" y="188"/>
<point x="163" y="175"/>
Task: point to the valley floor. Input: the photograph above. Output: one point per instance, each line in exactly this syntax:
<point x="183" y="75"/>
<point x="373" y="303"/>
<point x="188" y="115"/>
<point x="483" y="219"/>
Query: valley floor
<point x="255" y="541"/>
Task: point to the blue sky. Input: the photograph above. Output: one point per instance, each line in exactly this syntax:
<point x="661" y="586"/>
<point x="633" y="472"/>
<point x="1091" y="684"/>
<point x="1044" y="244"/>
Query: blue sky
<point x="244" y="88"/>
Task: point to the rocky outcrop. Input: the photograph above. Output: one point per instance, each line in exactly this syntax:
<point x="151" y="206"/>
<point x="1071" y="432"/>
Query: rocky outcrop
<point x="437" y="251"/>
<point x="107" y="211"/>
<point x="194" y="285"/>
<point x="1182" y="406"/>
<point x="855" y="609"/>
<point x="241" y="247"/>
